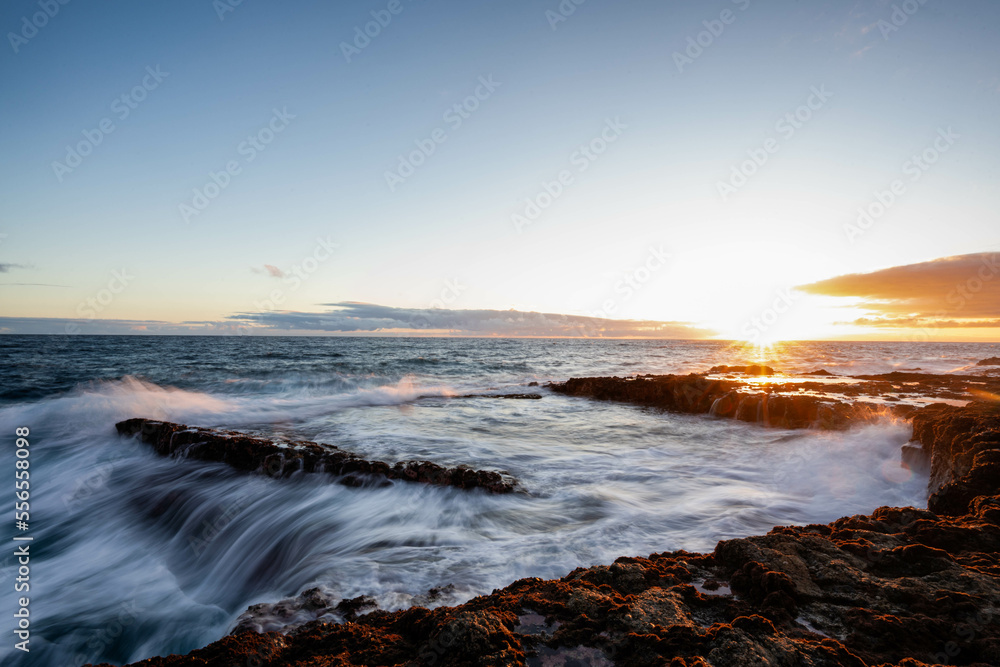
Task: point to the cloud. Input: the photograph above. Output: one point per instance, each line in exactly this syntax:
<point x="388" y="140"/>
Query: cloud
<point x="920" y="322"/>
<point x="960" y="291"/>
<point x="6" y="268"/>
<point x="34" y="285"/>
<point x="269" y="269"/>
<point x="351" y="318"/>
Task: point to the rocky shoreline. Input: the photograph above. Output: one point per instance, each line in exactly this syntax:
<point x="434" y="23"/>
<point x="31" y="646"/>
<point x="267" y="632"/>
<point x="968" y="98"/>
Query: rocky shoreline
<point x="730" y="399"/>
<point x="901" y="586"/>
<point x="758" y="394"/>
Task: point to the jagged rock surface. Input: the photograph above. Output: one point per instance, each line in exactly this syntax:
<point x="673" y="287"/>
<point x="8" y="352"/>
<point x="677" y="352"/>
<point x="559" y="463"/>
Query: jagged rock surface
<point x="697" y="394"/>
<point x="278" y="459"/>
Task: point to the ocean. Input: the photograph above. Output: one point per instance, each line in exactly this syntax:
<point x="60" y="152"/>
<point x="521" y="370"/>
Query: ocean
<point x="135" y="555"/>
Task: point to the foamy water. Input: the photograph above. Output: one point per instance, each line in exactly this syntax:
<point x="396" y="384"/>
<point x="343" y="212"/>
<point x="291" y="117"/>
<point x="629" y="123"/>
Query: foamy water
<point x="136" y="555"/>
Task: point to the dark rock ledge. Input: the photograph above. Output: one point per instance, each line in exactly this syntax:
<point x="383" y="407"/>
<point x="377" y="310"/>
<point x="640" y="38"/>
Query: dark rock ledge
<point x="733" y="399"/>
<point x="277" y="459"/>
<point x="836" y="403"/>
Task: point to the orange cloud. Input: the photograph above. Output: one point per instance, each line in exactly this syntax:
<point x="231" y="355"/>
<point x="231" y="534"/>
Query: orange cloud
<point x="951" y="292"/>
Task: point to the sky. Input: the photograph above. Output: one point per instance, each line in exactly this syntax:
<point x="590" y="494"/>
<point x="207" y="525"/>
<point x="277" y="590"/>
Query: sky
<point x="729" y="169"/>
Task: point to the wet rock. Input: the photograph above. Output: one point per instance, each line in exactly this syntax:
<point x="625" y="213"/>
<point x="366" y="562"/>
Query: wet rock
<point x="478" y="637"/>
<point x="992" y="361"/>
<point x="746" y="370"/>
<point x="351" y="609"/>
<point x="281" y="459"/>
<point x="308" y="606"/>
<point x="730" y="399"/>
<point x="529" y="397"/>
<point x="953" y="436"/>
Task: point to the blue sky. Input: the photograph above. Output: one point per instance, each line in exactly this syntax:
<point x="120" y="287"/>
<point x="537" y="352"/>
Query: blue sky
<point x="445" y="236"/>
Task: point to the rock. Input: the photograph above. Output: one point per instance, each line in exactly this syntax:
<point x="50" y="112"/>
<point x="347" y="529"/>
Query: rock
<point x="730" y="399"/>
<point x="992" y="361"/>
<point x="746" y="370"/>
<point x="308" y="606"/>
<point x="351" y="609"/>
<point x="820" y="371"/>
<point x="953" y="436"/>
<point x="532" y="397"/>
<point x="280" y="459"/>
<point x="786" y="404"/>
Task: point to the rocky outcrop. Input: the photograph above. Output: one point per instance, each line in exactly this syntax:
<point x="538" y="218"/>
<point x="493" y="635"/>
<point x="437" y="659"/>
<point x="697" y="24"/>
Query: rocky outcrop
<point x="901" y="586"/>
<point x="992" y="361"/>
<point x="835" y="403"/>
<point x="745" y="370"/>
<point x="528" y="397"/>
<point x="962" y="446"/>
<point x="697" y="394"/>
<point x="280" y="459"/>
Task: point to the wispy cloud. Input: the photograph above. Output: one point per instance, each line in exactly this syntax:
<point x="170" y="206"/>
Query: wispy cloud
<point x="860" y="52"/>
<point x="7" y="268"/>
<point x="270" y="270"/>
<point x="33" y="285"/>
